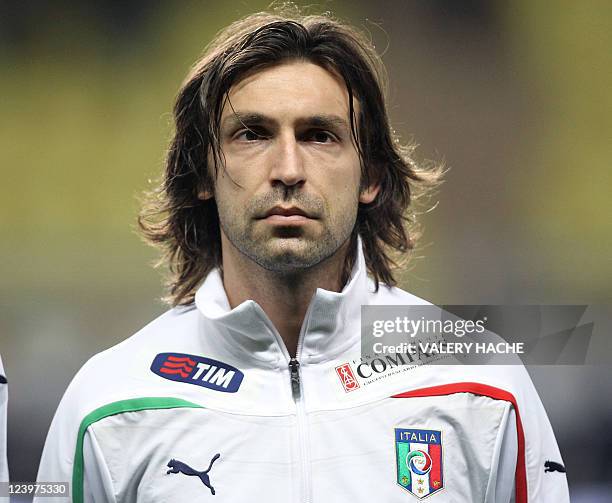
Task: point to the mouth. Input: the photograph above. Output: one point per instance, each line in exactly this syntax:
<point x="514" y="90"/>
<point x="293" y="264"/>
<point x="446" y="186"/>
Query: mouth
<point x="287" y="216"/>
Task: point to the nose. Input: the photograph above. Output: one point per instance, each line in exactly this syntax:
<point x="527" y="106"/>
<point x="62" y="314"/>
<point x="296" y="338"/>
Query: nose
<point x="287" y="162"/>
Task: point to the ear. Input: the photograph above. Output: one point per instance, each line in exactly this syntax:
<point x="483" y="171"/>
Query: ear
<point x="367" y="195"/>
<point x="204" y="195"/>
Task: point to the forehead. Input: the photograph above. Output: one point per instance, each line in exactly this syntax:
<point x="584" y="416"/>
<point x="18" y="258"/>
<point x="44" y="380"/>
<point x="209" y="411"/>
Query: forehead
<point x="290" y="90"/>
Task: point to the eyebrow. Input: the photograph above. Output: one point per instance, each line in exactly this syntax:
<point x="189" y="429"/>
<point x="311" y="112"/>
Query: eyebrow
<point x="239" y="118"/>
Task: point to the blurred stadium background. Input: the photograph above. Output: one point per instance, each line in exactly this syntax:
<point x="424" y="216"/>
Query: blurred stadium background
<point x="513" y="96"/>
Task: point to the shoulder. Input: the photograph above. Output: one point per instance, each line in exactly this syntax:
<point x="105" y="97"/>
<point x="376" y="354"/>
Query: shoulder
<point x="505" y="373"/>
<point x="392" y="295"/>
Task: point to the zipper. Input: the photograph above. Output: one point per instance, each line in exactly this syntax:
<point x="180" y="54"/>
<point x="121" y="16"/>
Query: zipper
<point x="302" y="424"/>
<point x="297" y="385"/>
<point x="304" y="454"/>
<point x="294" y="373"/>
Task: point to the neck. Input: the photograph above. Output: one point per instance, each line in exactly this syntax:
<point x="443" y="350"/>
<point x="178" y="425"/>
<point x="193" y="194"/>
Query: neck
<point x="284" y="297"/>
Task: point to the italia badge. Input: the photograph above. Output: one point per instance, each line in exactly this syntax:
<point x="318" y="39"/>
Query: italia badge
<point x="419" y="461"/>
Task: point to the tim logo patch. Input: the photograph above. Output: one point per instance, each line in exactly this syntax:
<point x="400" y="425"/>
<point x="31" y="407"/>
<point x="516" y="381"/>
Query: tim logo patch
<point x="198" y="370"/>
<point x="419" y="461"/>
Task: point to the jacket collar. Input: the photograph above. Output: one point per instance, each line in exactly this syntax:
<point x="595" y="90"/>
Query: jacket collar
<point x="331" y="325"/>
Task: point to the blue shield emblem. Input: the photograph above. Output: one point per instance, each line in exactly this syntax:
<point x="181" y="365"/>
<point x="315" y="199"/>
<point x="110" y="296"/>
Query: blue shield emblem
<point x="419" y="461"/>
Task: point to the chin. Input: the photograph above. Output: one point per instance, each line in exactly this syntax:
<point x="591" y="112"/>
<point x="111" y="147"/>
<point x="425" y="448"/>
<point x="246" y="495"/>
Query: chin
<point x="286" y="259"/>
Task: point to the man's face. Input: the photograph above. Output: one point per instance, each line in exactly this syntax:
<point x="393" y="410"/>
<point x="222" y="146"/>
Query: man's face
<point x="289" y="193"/>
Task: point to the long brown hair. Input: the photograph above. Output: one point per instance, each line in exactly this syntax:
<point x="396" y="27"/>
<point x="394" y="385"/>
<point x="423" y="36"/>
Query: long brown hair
<point x="187" y="228"/>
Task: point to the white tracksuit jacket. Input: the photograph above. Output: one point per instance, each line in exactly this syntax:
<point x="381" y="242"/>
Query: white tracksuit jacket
<point x="203" y="404"/>
<point x="4" y="475"/>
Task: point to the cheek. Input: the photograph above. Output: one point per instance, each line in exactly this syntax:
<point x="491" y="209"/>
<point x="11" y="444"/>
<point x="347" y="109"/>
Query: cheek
<point x="230" y="184"/>
<point x="227" y="196"/>
<point x="342" y="195"/>
<point x="241" y="176"/>
<point x="345" y="183"/>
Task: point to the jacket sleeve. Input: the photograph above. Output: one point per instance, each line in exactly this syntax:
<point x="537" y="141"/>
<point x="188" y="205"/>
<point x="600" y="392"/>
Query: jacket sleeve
<point x="501" y="487"/>
<point x="546" y="477"/>
<point x="97" y="481"/>
<point x="540" y="474"/>
<point x="71" y="454"/>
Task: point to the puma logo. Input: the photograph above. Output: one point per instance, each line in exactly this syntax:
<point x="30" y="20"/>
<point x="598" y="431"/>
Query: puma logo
<point x="551" y="466"/>
<point x="180" y="467"/>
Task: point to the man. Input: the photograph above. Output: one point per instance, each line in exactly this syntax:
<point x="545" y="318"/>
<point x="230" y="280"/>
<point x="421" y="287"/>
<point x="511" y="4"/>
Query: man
<point x="284" y="187"/>
<point x="4" y="475"/>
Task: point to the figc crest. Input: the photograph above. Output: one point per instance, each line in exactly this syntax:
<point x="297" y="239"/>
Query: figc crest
<point x="419" y="461"/>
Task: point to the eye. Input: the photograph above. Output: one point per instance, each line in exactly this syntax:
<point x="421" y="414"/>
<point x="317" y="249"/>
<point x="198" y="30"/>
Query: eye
<point x="320" y="136"/>
<point x="251" y="134"/>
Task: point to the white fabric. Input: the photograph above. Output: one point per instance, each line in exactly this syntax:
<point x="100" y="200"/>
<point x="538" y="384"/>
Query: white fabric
<point x="326" y="445"/>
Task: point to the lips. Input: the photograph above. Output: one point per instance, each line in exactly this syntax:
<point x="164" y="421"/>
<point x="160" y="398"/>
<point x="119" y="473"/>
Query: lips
<point x="287" y="212"/>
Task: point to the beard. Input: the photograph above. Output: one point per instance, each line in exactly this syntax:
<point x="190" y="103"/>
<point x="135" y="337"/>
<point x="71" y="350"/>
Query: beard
<point x="292" y="248"/>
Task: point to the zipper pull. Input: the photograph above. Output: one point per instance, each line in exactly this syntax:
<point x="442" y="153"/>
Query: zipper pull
<point x="294" y="369"/>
